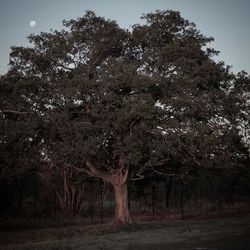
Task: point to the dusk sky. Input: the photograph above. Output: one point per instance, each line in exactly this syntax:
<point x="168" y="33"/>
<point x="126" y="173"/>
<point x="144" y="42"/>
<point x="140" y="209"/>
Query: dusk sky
<point x="228" y="21"/>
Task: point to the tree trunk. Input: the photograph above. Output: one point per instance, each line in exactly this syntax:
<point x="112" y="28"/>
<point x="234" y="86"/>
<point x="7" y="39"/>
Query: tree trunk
<point x="182" y="201"/>
<point x="153" y="200"/>
<point x="118" y="179"/>
<point x="168" y="188"/>
<point x="122" y="215"/>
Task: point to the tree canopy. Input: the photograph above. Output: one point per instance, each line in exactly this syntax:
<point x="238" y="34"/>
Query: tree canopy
<point x="113" y="103"/>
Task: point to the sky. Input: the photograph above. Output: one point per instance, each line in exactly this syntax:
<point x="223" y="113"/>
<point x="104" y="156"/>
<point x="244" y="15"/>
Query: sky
<point x="228" y="21"/>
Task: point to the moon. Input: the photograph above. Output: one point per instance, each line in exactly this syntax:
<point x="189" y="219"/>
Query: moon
<point x="32" y="24"/>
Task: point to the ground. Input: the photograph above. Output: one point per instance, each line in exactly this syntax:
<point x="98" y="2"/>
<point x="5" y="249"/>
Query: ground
<point x="212" y="234"/>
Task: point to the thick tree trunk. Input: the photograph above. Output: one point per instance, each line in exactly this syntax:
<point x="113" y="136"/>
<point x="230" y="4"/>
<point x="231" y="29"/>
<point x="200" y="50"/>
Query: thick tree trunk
<point x="122" y="214"/>
<point x="118" y="179"/>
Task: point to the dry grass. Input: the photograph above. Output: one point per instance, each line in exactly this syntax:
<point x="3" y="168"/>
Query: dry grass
<point x="152" y="233"/>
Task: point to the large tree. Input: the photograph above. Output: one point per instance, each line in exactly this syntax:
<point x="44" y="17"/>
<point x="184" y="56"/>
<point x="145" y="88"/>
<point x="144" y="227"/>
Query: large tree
<point x="114" y="103"/>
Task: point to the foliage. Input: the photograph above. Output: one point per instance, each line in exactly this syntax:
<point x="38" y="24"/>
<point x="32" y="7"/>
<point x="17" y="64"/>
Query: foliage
<point x="113" y="103"/>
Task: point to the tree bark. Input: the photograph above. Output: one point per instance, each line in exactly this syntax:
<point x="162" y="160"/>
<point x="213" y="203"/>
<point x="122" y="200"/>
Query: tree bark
<point x="118" y="179"/>
<point x="122" y="214"/>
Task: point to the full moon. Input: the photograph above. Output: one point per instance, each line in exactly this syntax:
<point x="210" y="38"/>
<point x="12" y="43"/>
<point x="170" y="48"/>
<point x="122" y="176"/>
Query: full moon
<point x="32" y="24"/>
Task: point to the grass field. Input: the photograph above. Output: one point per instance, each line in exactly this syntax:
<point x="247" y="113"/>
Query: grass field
<point x="172" y="234"/>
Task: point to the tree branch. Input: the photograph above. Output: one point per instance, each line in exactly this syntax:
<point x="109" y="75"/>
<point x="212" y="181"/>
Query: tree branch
<point x="125" y="177"/>
<point x="161" y="173"/>
<point x="138" y="178"/>
<point x="82" y="170"/>
<point x="92" y="170"/>
<point x="16" y="112"/>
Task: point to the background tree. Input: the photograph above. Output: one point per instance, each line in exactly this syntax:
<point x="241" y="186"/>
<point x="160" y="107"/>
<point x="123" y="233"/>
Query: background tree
<point x="20" y="142"/>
